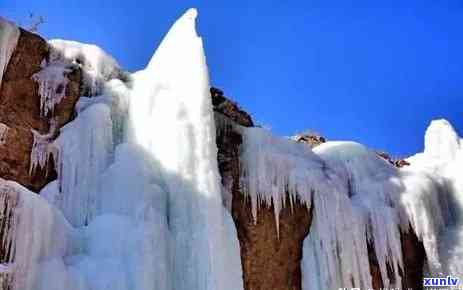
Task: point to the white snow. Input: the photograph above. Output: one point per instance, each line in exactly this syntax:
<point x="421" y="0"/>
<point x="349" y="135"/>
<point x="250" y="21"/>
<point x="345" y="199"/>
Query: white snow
<point x="9" y="35"/>
<point x="97" y="66"/>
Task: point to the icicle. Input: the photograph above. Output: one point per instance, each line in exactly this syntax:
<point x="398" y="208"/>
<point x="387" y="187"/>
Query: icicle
<point x="9" y="35"/>
<point x="3" y="133"/>
<point x="272" y="167"/>
<point x="97" y="66"/>
<point x="42" y="149"/>
<point x="52" y="82"/>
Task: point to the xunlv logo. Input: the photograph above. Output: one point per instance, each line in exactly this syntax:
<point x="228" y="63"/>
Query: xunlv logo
<point x="445" y="282"/>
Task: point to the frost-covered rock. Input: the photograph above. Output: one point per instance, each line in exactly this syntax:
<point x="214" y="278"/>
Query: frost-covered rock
<point x="97" y="66"/>
<point x="19" y="111"/>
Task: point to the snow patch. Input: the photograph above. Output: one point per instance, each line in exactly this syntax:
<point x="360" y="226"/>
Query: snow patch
<point x="97" y="66"/>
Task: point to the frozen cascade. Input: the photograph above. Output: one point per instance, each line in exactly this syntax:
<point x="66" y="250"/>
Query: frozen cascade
<point x="137" y="203"/>
<point x="355" y="195"/>
<point x="443" y="160"/>
<point x="171" y="117"/>
<point x="9" y="35"/>
<point x="358" y="198"/>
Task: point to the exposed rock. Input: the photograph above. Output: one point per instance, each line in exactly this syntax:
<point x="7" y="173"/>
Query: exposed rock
<point x="269" y="261"/>
<point x="375" y="271"/>
<point x="20" y="111"/>
<point x="230" y="109"/>
<point x="414" y="257"/>
<point x="399" y="163"/>
<point x="312" y="140"/>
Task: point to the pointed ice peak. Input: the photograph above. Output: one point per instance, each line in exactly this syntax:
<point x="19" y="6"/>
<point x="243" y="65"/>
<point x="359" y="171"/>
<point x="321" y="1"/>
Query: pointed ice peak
<point x="441" y="140"/>
<point x="191" y="14"/>
<point x="181" y="39"/>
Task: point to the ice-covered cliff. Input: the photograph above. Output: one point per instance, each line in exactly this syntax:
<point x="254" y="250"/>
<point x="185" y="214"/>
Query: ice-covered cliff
<point x="141" y="181"/>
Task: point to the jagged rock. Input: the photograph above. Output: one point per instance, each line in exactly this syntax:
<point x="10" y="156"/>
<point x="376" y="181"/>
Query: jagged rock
<point x="312" y="140"/>
<point x="230" y="109"/>
<point x="20" y="111"/>
<point x="399" y="163"/>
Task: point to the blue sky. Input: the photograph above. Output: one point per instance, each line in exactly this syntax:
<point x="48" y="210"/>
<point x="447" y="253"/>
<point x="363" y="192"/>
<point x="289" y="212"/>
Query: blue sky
<point x="371" y="71"/>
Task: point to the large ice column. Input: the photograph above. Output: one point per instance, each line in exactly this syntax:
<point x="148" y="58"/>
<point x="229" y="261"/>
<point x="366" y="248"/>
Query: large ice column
<point x="83" y="152"/>
<point x="171" y="117"/>
<point x="9" y="35"/>
<point x="441" y="227"/>
<point x="441" y="140"/>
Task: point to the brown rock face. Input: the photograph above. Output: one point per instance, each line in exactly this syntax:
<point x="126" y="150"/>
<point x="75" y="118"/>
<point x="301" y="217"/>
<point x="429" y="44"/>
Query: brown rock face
<point x="268" y="261"/>
<point x="20" y="111"/>
<point x="414" y="257"/>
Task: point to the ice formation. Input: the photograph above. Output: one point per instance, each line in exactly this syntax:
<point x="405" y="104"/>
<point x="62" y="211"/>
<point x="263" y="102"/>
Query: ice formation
<point x="137" y="203"/>
<point x="9" y="35"/>
<point x="52" y="82"/>
<point x="361" y="201"/>
<point x="97" y="66"/>
<point x="442" y="160"/>
<point x="172" y="119"/>
<point x="3" y="133"/>
<point x="355" y="196"/>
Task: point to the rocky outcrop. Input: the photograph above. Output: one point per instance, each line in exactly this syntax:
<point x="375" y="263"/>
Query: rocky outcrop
<point x="20" y="112"/>
<point x="269" y="260"/>
<point x="399" y="163"/>
<point x="414" y="257"/>
<point x="272" y="261"/>
<point x="312" y="140"/>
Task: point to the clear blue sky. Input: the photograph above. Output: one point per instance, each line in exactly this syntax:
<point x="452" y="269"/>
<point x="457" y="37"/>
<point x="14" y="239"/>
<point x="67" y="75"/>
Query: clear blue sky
<point x="372" y="71"/>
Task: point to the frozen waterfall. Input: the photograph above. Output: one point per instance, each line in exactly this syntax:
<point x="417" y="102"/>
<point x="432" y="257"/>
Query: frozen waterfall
<point x="137" y="204"/>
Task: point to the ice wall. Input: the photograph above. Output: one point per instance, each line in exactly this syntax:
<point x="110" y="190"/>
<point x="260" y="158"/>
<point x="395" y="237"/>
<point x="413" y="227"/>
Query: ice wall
<point x="171" y="117"/>
<point x="442" y="160"/>
<point x="9" y="35"/>
<point x="355" y="197"/>
<point x="360" y="199"/>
